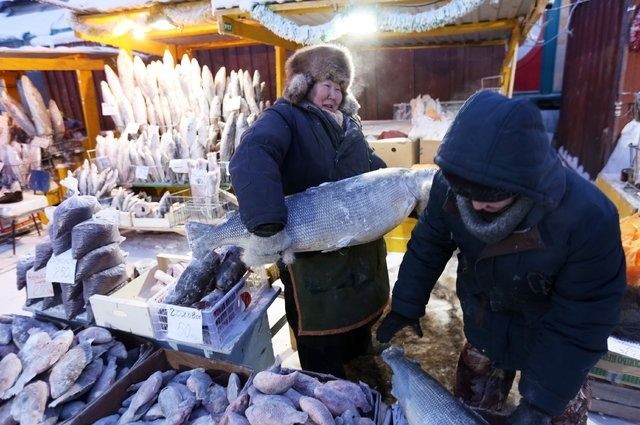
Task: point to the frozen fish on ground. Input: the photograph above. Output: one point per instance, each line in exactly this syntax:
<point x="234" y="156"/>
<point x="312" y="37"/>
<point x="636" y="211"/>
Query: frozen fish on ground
<point x="388" y="195"/>
<point x="67" y="370"/>
<point x="423" y="399"/>
<point x="29" y="406"/>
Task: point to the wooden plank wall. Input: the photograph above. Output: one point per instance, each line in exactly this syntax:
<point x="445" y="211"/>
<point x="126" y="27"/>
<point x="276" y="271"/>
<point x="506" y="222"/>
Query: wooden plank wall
<point x="592" y="72"/>
<point x="630" y="81"/>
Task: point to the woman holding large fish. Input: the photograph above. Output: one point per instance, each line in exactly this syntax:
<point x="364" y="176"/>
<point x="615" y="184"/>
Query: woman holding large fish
<point x="541" y="271"/>
<point x="311" y="136"/>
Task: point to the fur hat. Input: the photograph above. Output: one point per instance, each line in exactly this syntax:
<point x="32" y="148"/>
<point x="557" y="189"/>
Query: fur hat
<point x="317" y="63"/>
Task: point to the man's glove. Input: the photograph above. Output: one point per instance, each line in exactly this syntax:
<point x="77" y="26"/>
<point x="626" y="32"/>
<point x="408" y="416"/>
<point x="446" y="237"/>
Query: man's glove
<point x="265" y="249"/>
<point x="392" y="323"/>
<point x="528" y="414"/>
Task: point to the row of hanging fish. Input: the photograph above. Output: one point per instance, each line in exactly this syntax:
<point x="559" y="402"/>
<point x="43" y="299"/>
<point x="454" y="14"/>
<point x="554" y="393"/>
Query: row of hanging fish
<point x="191" y="396"/>
<point x="18" y="158"/>
<point x="40" y="121"/>
<point x="154" y="158"/>
<point x="140" y="204"/>
<point x="174" y="111"/>
<point x="280" y="396"/>
<point x="48" y="375"/>
<point x="93" y="182"/>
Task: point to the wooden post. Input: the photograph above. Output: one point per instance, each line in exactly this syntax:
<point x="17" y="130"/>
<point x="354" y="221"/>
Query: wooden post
<point x="509" y="64"/>
<point x="281" y="59"/>
<point x="89" y="107"/>
<point x="11" y="84"/>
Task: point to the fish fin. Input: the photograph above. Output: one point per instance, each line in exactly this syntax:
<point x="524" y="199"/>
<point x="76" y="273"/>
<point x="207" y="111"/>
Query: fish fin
<point x="339" y="245"/>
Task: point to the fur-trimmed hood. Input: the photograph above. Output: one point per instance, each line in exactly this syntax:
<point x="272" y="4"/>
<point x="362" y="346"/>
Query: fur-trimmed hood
<point x="317" y="63"/>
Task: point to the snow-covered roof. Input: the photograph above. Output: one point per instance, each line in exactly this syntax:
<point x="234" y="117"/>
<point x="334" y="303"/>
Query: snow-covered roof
<point x="101" y="6"/>
<point x="228" y="4"/>
<point x="42" y="52"/>
<point x="20" y="26"/>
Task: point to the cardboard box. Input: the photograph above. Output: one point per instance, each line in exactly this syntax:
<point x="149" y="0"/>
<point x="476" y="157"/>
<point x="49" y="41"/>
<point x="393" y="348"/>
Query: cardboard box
<point x="127" y="309"/>
<point x="162" y="360"/>
<point x="397" y="152"/>
<point x="428" y="150"/>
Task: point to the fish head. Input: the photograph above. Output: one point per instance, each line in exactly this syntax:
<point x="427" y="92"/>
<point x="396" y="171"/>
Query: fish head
<point x="419" y="183"/>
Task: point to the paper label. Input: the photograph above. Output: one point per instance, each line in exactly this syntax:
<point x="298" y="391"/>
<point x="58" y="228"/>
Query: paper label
<point x="142" y="172"/>
<point x="232" y="104"/>
<point x="43" y="142"/>
<point x="179" y="165"/>
<point x="62" y="268"/>
<point x="132" y="128"/>
<point x="108" y="109"/>
<point x="37" y="285"/>
<point x="184" y="324"/>
<point x="197" y="177"/>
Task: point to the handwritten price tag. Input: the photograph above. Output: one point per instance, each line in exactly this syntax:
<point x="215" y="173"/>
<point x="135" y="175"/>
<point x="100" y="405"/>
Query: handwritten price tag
<point x="142" y="172"/>
<point x="108" y="109"/>
<point x="43" y="142"/>
<point x="37" y="285"/>
<point x="184" y="324"/>
<point x="197" y="177"/>
<point x="179" y="165"/>
<point x="62" y="268"/>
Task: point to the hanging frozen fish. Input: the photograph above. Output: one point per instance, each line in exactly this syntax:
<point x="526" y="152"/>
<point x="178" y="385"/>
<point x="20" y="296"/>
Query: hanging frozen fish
<point x="38" y="110"/>
<point x="227" y="139"/>
<point x="221" y="82"/>
<point x="249" y="93"/>
<point x="125" y="74"/>
<point x="255" y="82"/>
<point x="208" y="85"/>
<point x="17" y="113"/>
<point x="215" y="111"/>
<point x="109" y="99"/>
<point x="241" y="126"/>
<point x="387" y="195"/>
<point x="56" y="120"/>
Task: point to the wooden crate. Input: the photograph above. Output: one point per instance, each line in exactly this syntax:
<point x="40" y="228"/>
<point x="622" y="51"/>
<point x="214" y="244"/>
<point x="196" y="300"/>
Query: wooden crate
<point x="615" y="400"/>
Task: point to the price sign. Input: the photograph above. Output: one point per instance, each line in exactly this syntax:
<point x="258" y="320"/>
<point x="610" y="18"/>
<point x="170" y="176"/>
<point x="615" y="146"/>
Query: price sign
<point x="184" y="324"/>
<point x="142" y="172"/>
<point x="37" y="285"/>
<point x="108" y="109"/>
<point x="179" y="165"/>
<point x="43" y="142"/>
<point x="232" y="104"/>
<point x="197" y="177"/>
<point x="62" y="268"/>
<point x="132" y="128"/>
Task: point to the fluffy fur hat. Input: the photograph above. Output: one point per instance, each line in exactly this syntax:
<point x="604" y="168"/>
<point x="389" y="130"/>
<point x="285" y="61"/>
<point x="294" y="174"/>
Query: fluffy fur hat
<point x="317" y="63"/>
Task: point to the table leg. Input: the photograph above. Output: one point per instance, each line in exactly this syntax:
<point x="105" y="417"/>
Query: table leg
<point x="13" y="235"/>
<point x="33" y="217"/>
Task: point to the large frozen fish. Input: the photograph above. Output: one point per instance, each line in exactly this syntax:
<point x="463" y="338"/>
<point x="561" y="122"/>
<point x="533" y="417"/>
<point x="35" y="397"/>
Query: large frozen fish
<point x="38" y="110"/>
<point x="56" y="119"/>
<point x="424" y="400"/>
<point x="109" y="98"/>
<point x="10" y="368"/>
<point x="333" y="215"/>
<point x="84" y="382"/>
<point x="195" y="280"/>
<point x="67" y="370"/>
<point x="17" y="113"/>
<point x="227" y="140"/>
<point x="146" y="393"/>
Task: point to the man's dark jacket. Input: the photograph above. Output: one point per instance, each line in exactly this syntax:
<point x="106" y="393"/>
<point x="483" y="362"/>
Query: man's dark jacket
<point x="544" y="299"/>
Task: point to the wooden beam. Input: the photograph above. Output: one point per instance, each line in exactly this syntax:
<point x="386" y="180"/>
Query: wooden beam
<point x="236" y="42"/>
<point x="312" y="6"/>
<point x="255" y="32"/>
<point x="532" y="17"/>
<point x="50" y="64"/>
<point x="128" y="43"/>
<point x="509" y="64"/>
<point x="10" y="80"/>
<point x="89" y="107"/>
<point x="281" y="59"/>
<point x="430" y="46"/>
<point x="191" y="31"/>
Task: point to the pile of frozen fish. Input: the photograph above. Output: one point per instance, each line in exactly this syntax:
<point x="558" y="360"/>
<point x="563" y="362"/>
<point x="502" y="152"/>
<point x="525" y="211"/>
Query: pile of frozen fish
<point x="93" y="182"/>
<point x="94" y="243"/>
<point x="429" y="120"/>
<point x="44" y="122"/>
<point x="174" y="111"/>
<point x="49" y="375"/>
<point x="140" y="204"/>
<point x="284" y="397"/>
<point x="18" y="156"/>
<point x="188" y="397"/>
<point x="205" y="281"/>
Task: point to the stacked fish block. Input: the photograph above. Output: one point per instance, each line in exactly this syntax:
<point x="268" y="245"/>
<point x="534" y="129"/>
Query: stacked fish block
<point x="93" y="243"/>
<point x="41" y="126"/>
<point x="48" y="375"/>
<point x="167" y="111"/>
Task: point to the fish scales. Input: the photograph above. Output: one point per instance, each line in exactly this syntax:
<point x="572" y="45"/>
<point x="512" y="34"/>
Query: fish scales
<point x="333" y="215"/>
<point x="424" y="400"/>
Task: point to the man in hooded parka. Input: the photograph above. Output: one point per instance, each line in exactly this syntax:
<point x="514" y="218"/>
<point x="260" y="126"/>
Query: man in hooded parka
<point x="541" y="271"/>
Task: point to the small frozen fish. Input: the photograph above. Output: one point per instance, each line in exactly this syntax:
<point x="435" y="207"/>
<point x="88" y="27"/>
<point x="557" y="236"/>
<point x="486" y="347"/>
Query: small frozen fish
<point x="84" y="382"/>
<point x="352" y="391"/>
<point x="71" y="409"/>
<point x="234" y="385"/>
<point x="22" y="324"/>
<point x="145" y="394"/>
<point x="67" y="370"/>
<point x="273" y="383"/>
<point x="274" y="413"/>
<point x="96" y="334"/>
<point x="29" y="406"/>
<point x="317" y="411"/>
<point x="336" y="402"/>
<point x="215" y="399"/>
<point x="199" y="382"/>
<point x="10" y="368"/>
<point x="105" y="381"/>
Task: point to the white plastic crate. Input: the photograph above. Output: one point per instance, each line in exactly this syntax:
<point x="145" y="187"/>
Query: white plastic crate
<point x="216" y="320"/>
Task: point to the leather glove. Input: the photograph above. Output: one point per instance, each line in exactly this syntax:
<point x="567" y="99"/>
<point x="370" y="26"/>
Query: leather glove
<point x="392" y="323"/>
<point x="528" y="414"/>
<point x="265" y="249"/>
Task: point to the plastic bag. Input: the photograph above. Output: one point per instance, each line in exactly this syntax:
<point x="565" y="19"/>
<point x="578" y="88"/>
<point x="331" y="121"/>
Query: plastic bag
<point x="72" y="211"/>
<point x="92" y="234"/>
<point x="72" y="299"/>
<point x="55" y="300"/>
<point x="61" y="243"/>
<point x="104" y="282"/>
<point x="44" y="250"/>
<point x="24" y="264"/>
<point x="98" y="260"/>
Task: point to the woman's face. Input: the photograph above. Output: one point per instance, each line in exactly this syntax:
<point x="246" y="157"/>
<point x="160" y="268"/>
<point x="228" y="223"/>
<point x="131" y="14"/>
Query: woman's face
<point x="326" y="94"/>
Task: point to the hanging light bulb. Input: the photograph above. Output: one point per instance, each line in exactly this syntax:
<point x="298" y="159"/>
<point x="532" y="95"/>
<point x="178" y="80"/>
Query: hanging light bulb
<point x="162" y="24"/>
<point x="361" y="21"/>
<point x="139" y="33"/>
<point x="121" y="28"/>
